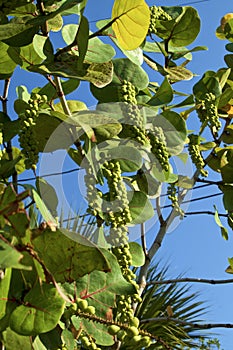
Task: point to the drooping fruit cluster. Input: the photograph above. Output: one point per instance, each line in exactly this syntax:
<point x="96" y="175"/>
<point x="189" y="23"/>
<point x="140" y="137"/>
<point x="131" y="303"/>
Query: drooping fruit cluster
<point x="159" y="147"/>
<point x="117" y="207"/>
<point x="208" y="111"/>
<point x="6" y="6"/>
<point x="118" y="216"/>
<point x="172" y="195"/>
<point x="87" y="341"/>
<point x="133" y="123"/>
<point x="27" y="134"/>
<point x="157" y="13"/>
<point x="93" y="196"/>
<point x="194" y="151"/>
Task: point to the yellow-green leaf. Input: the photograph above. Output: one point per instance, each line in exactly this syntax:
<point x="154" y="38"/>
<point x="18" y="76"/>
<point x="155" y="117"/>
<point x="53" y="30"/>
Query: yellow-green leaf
<point x="132" y="19"/>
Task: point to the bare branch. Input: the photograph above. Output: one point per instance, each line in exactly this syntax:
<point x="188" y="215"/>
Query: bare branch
<point x="205" y="212"/>
<point x="190" y="279"/>
<point x="185" y="323"/>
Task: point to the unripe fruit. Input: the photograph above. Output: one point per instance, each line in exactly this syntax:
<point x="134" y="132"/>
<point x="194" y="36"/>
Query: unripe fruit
<point x="135" y="340"/>
<point x="90" y="310"/>
<point x="134" y="322"/>
<point x="121" y="334"/>
<point x="145" y="341"/>
<point x="113" y="329"/>
<point x="82" y="304"/>
<point x="132" y="331"/>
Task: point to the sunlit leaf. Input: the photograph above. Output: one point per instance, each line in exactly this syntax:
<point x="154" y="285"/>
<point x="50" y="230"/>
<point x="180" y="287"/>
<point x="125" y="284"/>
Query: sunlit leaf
<point x="132" y="19"/>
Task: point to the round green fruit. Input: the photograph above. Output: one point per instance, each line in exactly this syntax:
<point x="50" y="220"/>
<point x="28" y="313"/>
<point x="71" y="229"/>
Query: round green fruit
<point x="82" y="304"/>
<point x="90" y="310"/>
<point x="113" y="329"/>
<point x="132" y="331"/>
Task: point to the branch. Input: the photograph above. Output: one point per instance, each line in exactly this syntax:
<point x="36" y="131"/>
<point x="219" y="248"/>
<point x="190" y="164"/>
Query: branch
<point x="188" y="279"/>
<point x="9" y="149"/>
<point x="205" y="212"/>
<point x="61" y="96"/>
<point x="185" y="323"/>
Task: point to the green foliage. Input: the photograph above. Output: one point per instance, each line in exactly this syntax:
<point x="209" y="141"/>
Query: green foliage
<point x="83" y="286"/>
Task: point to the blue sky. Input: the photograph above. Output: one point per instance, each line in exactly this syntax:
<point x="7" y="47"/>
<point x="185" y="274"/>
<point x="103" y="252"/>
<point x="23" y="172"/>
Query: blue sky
<point x="195" y="247"/>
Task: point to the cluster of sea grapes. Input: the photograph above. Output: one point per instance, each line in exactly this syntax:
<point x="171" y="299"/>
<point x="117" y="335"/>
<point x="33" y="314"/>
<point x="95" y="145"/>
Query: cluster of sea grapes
<point x="172" y="195"/>
<point x="159" y="146"/>
<point x="117" y="207"/>
<point x="130" y="335"/>
<point x="6" y="6"/>
<point x="27" y="135"/>
<point x="88" y="342"/>
<point x="133" y="119"/>
<point x="208" y="112"/>
<point x="93" y="196"/>
<point x="118" y="218"/>
<point x="157" y="13"/>
<point x="194" y="151"/>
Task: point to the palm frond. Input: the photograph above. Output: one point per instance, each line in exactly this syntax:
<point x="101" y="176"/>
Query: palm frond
<point x="184" y="305"/>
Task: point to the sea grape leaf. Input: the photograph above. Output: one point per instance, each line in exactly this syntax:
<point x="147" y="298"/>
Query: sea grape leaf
<point x="40" y="313"/>
<point x="224" y="231"/>
<point x="24" y="56"/>
<point x="99" y="74"/>
<point x="55" y="24"/>
<point x="46" y="214"/>
<point x="7" y="65"/>
<point x="208" y="83"/>
<point x="48" y="195"/>
<point x="4" y="290"/>
<point x="68" y="86"/>
<point x="104" y="126"/>
<point x="51" y="339"/>
<point x="97" y="51"/>
<point x="227" y="136"/>
<point x="97" y="330"/>
<point x="55" y="135"/>
<point x="138" y="256"/>
<point x="124" y="69"/>
<point x="136" y="55"/>
<point x="174" y="128"/>
<point x="178" y="73"/>
<point x="43" y="46"/>
<point x="227" y="197"/>
<point x="182" y="30"/>
<point x="129" y="157"/>
<point x="82" y="40"/>
<point x="74" y="106"/>
<point x="132" y="20"/>
<point x="140" y="207"/>
<point x="163" y="95"/>
<point x="59" y="8"/>
<point x="68" y="255"/>
<point x="12" y="340"/>
<point x="10" y="257"/>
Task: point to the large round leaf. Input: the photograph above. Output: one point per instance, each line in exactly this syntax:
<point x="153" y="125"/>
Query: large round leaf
<point x="132" y="20"/>
<point x="41" y="311"/>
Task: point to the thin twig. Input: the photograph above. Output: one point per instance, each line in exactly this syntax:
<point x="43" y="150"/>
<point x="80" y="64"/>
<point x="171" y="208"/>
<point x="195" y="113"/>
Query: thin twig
<point x="49" y="175"/>
<point x="193" y="280"/>
<point x="207" y="212"/>
<point x="185" y="323"/>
